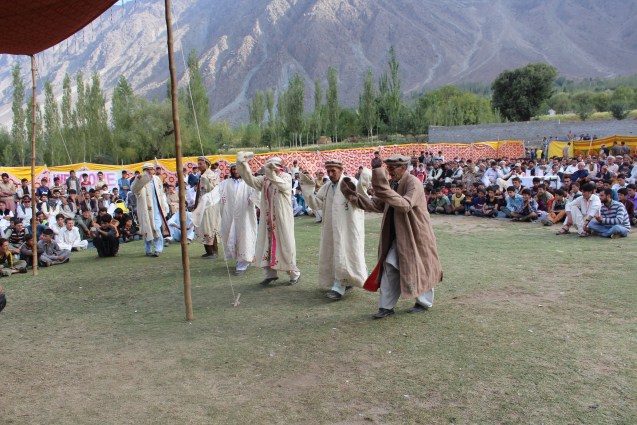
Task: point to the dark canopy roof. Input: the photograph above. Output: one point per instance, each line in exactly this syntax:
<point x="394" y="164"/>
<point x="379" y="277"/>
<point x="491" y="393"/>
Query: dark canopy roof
<point x="31" y="26"/>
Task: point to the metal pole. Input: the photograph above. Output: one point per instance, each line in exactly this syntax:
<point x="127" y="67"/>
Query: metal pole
<point x="185" y="261"/>
<point x="33" y="128"/>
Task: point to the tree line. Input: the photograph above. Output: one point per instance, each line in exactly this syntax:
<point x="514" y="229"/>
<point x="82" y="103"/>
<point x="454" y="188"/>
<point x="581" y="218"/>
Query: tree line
<point x="79" y="128"/>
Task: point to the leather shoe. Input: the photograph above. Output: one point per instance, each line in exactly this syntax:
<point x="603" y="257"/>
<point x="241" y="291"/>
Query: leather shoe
<point x="418" y="308"/>
<point x="267" y="280"/>
<point x="383" y="312"/>
<point x="333" y="295"/>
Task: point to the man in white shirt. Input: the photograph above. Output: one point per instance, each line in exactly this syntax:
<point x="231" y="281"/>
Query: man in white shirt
<point x="57" y="225"/>
<point x="69" y="237"/>
<point x="581" y="211"/>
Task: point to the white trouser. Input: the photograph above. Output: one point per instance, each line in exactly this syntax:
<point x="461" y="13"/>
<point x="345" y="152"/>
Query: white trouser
<point x="577" y="218"/>
<point x="242" y="265"/>
<point x="390" y="284"/>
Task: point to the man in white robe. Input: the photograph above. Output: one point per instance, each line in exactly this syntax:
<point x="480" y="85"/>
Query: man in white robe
<point x="69" y="237"/>
<point x="207" y="232"/>
<point x="342" y="248"/>
<point x="152" y="208"/>
<point x="581" y="211"/>
<point x="276" y="247"/>
<point x="238" y="220"/>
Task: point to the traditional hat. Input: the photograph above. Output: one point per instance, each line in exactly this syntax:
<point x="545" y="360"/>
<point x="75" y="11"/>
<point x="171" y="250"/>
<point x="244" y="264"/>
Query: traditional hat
<point x="148" y="166"/>
<point x="333" y="163"/>
<point x="274" y="160"/>
<point x="204" y="159"/>
<point x="398" y="159"/>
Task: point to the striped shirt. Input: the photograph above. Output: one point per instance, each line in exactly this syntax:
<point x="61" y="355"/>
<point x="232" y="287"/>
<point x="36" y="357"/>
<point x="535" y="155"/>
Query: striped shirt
<point x="615" y="215"/>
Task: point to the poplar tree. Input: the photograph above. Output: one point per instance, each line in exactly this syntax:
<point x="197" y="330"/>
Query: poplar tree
<point x="367" y="109"/>
<point x="18" y="129"/>
<point x="332" y="102"/>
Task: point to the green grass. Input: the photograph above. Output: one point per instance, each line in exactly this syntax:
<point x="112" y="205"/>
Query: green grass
<point x="574" y="117"/>
<point x="104" y="341"/>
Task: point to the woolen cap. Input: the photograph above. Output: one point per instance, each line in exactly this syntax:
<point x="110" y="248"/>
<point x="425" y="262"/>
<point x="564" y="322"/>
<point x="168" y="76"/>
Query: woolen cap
<point x="398" y="159"/>
<point x="333" y="163"/>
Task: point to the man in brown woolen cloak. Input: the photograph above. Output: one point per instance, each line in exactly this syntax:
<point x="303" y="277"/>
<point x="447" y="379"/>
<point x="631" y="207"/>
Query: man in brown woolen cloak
<point x="408" y="263"/>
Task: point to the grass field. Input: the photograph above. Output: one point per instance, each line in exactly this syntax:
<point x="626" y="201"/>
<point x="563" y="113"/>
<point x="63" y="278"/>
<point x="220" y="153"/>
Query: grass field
<point x="527" y="327"/>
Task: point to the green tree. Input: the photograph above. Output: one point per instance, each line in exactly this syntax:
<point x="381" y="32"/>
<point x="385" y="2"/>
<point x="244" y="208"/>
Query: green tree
<point x="332" y="102"/>
<point x="601" y="101"/>
<point x="518" y="94"/>
<point x="367" y="109"/>
<point x="54" y="152"/>
<point x="583" y="103"/>
<point x="18" y="129"/>
<point x="619" y="110"/>
<point x="560" y="103"/>
<point x="123" y="105"/>
<point x="97" y="129"/>
<point x="269" y="101"/>
<point x="294" y="105"/>
<point x="39" y="128"/>
<point x="256" y="108"/>
<point x="317" y="114"/>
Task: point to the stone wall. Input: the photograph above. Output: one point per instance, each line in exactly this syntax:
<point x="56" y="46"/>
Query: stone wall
<point x="531" y="131"/>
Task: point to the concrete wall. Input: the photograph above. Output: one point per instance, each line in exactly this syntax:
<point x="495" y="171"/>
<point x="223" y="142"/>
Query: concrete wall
<point x="531" y="131"/>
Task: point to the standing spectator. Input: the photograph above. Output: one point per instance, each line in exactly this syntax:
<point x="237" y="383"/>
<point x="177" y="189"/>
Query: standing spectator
<point x="23" y="190"/>
<point x="566" y="151"/>
<point x="85" y="183"/>
<point x="8" y="192"/>
<point x="100" y="183"/>
<point x="124" y="185"/>
<point x="72" y="182"/>
<point x="43" y="189"/>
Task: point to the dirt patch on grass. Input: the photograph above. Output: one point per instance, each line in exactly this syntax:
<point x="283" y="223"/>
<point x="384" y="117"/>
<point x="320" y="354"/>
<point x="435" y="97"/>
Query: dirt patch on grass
<point x="516" y="295"/>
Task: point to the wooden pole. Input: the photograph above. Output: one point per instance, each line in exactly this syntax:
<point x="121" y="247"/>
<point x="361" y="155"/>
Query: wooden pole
<point x="33" y="128"/>
<point x="185" y="261"/>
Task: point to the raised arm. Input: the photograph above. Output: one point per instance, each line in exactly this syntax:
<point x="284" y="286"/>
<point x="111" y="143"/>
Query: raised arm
<point x="314" y="201"/>
<point x="246" y="173"/>
<point x="382" y="191"/>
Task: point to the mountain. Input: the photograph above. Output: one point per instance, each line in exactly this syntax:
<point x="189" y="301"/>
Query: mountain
<point x="249" y="45"/>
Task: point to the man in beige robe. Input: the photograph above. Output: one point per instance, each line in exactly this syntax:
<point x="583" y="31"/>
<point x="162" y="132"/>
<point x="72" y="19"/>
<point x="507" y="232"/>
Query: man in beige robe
<point x="276" y="247"/>
<point x="342" y="248"/>
<point x="207" y="232"/>
<point x="408" y="263"/>
<point x="152" y="209"/>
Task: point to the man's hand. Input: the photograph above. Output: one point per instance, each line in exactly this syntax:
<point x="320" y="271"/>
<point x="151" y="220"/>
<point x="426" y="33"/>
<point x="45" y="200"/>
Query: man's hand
<point x="599" y="218"/>
<point x="348" y="188"/>
<point x="377" y="162"/>
<point x="306" y="179"/>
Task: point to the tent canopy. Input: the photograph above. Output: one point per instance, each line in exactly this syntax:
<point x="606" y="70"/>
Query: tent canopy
<point x="29" y="27"/>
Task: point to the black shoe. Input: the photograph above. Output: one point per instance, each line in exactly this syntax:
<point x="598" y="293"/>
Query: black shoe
<point x="206" y="255"/>
<point x="156" y="254"/>
<point x="418" y="308"/>
<point x="347" y="288"/>
<point x="267" y="281"/>
<point x="333" y="295"/>
<point x="383" y="312"/>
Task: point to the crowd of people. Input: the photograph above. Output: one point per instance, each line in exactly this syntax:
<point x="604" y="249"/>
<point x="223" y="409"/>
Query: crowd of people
<point x="252" y="214"/>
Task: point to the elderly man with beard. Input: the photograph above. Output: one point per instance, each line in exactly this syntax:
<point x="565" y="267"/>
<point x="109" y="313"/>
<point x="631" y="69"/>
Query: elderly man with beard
<point x="152" y="209"/>
<point x="342" y="249"/>
<point x="408" y="263"/>
<point x="238" y="220"/>
<point x="207" y="231"/>
<point x="276" y="247"/>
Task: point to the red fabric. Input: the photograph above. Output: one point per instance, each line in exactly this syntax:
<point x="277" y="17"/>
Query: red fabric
<point x="29" y="27"/>
<point x="370" y="284"/>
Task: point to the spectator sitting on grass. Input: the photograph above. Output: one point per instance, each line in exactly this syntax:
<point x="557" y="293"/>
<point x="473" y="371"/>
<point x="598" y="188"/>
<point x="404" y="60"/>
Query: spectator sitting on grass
<point x="607" y="184"/>
<point x="457" y="201"/>
<point x="581" y="211"/>
<point x="528" y="210"/>
<point x="491" y="206"/>
<point x="477" y="204"/>
<point x="543" y="197"/>
<point x="26" y="252"/>
<point x="438" y="202"/>
<point x="513" y="203"/>
<point x="57" y="225"/>
<point x="105" y="237"/>
<point x="84" y="224"/>
<point x="612" y="220"/>
<point x="8" y="265"/>
<point x="630" y="207"/>
<point x="69" y="237"/>
<point x="51" y="254"/>
<point x="556" y="209"/>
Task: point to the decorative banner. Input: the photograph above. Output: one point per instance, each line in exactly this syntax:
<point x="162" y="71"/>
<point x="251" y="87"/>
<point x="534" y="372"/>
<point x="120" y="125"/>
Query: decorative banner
<point x="309" y="161"/>
<point x="591" y="147"/>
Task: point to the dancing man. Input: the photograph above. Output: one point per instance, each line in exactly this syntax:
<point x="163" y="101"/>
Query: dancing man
<point x="408" y="263"/>
<point x="276" y="247"/>
<point x="342" y="248"/>
<point x="238" y="220"/>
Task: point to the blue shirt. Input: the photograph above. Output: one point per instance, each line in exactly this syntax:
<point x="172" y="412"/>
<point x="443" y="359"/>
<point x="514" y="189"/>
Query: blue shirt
<point x="515" y="203"/>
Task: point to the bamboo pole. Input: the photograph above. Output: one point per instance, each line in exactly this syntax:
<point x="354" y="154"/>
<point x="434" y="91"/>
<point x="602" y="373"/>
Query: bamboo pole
<point x="185" y="261"/>
<point x="33" y="128"/>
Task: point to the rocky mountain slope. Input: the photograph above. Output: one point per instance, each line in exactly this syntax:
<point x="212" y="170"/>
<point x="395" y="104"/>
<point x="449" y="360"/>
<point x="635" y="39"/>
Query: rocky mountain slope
<point x="247" y="45"/>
